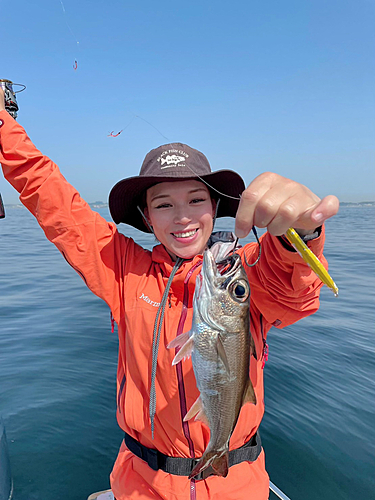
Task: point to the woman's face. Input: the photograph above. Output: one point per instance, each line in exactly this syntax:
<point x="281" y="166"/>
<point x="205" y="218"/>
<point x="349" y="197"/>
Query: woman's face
<point x="181" y="215"/>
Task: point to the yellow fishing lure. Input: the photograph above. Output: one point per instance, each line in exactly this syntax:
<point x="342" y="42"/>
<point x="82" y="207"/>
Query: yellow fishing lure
<point x="311" y="260"/>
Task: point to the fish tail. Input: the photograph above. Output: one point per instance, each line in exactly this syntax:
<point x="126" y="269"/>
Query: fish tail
<point x="219" y="464"/>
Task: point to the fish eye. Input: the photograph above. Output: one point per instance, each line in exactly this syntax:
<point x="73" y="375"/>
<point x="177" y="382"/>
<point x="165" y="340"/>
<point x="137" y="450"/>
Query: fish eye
<point x="240" y="290"/>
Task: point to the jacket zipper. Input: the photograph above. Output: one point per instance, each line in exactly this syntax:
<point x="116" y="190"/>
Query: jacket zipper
<point x="71" y="265"/>
<point x="181" y="385"/>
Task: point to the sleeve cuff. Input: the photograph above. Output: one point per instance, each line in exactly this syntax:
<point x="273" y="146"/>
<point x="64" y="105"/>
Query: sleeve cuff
<point x="308" y="237"/>
<point x="6" y="122"/>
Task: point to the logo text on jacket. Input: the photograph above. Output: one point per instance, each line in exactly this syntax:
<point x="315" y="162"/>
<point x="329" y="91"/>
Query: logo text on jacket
<point x="147" y="299"/>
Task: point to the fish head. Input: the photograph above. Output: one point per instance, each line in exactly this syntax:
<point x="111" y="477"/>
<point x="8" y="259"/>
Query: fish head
<point x="223" y="293"/>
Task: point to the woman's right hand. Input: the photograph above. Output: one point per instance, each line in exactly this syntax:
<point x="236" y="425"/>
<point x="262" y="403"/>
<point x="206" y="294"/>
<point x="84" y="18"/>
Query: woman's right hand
<point x="2" y="100"/>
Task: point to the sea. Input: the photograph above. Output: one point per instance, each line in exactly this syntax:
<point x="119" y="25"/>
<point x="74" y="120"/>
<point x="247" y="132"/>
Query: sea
<point x="58" y="367"/>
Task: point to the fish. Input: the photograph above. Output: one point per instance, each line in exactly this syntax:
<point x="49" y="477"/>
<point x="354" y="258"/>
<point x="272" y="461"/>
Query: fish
<point x="172" y="159"/>
<point x="220" y="345"/>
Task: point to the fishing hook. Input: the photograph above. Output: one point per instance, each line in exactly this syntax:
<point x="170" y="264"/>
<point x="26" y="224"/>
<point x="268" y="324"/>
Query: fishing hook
<point x="260" y="248"/>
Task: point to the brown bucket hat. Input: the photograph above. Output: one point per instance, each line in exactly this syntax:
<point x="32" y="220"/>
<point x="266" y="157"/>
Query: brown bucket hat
<point x="168" y="163"/>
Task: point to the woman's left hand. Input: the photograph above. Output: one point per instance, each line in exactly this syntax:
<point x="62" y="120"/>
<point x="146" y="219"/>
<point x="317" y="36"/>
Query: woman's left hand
<point x="278" y="203"/>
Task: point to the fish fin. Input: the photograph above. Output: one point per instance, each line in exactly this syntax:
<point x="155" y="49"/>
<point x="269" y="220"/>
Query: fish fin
<point x="184" y="352"/>
<point x="222" y="354"/>
<point x="195" y="408"/>
<point x="219" y="464"/>
<point x="253" y="351"/>
<point x="249" y="395"/>
<point x="203" y="417"/>
<point x="179" y="341"/>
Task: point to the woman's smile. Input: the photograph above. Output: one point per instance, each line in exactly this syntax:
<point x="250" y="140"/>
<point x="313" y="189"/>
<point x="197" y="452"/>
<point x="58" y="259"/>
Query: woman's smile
<point x="186" y="234"/>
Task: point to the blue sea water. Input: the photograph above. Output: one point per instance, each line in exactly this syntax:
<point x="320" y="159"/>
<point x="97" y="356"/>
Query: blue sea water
<point x="58" y="365"/>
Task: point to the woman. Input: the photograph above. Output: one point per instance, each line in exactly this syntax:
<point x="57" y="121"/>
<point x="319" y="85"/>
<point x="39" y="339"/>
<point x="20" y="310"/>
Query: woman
<point x="177" y="197"/>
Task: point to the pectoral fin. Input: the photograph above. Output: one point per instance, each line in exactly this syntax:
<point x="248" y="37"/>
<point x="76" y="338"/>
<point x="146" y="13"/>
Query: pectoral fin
<point x="179" y="341"/>
<point x="185" y="343"/>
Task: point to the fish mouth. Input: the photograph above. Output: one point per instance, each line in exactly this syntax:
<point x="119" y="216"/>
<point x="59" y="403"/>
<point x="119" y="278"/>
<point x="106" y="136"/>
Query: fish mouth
<point x="228" y="266"/>
<point x="214" y="272"/>
<point x="213" y="279"/>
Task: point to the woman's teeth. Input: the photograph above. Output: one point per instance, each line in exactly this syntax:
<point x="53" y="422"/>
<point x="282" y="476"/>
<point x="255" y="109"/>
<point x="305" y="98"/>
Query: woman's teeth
<point x="185" y="235"/>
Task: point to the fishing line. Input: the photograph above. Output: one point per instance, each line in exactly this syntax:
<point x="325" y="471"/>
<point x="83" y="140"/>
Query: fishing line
<point x="211" y="187"/>
<point x="131" y="121"/>
<point x="66" y="21"/>
<point x="75" y="65"/>
<point x="137" y="116"/>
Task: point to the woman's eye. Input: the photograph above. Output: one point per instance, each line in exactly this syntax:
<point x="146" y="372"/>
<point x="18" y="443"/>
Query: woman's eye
<point x="197" y="200"/>
<point x="163" y="205"/>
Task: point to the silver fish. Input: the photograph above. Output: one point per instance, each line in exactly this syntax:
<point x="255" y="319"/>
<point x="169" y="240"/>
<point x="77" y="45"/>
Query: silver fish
<point x="220" y="345"/>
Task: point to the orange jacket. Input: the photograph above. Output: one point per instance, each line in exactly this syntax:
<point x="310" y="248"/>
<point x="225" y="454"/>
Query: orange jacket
<point x="132" y="280"/>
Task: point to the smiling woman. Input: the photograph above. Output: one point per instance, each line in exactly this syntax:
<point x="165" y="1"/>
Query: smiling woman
<point x="181" y="215"/>
<point x="150" y="294"/>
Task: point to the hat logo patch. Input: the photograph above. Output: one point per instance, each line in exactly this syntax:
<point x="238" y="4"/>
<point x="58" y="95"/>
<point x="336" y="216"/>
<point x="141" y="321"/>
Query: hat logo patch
<point x="167" y="159"/>
<point x="171" y="161"/>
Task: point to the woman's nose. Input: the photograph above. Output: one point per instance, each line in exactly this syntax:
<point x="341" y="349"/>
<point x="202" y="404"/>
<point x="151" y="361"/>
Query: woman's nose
<point x="181" y="216"/>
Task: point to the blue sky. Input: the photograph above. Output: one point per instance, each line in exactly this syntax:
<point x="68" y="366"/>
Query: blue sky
<point x="285" y="86"/>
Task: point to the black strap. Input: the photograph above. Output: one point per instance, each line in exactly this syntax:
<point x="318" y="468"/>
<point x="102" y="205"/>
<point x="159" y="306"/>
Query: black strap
<point x="181" y="466"/>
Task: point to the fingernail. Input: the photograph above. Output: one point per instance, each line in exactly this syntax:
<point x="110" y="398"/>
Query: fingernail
<point x="318" y="217"/>
<point x="239" y="233"/>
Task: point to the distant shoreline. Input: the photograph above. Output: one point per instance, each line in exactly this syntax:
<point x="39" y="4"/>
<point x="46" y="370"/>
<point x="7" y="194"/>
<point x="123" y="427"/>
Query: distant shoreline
<point x="102" y="204"/>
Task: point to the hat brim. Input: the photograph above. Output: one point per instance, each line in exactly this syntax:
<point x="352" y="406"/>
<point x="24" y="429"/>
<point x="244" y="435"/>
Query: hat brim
<point x="127" y="194"/>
